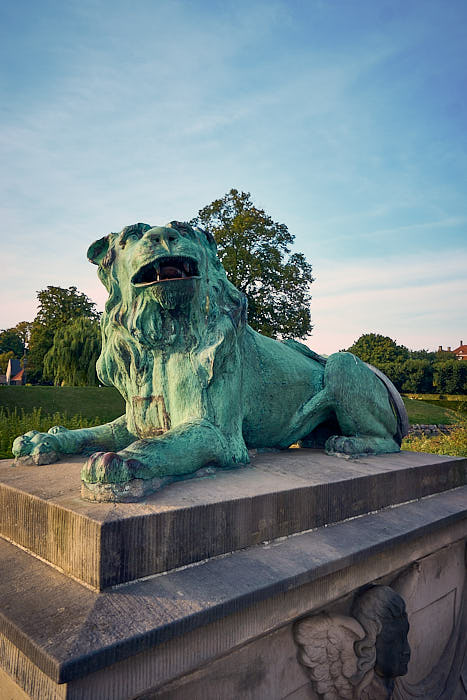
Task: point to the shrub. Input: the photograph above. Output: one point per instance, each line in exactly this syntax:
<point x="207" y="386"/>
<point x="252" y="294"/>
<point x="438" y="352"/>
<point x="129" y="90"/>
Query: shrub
<point x="454" y="443"/>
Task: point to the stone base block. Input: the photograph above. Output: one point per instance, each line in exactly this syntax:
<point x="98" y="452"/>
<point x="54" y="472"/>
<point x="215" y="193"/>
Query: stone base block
<point x="281" y="493"/>
<point x="224" y="626"/>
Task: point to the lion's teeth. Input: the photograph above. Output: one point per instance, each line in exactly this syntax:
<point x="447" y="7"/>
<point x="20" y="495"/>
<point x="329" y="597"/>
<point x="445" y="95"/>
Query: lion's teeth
<point x="186" y="267"/>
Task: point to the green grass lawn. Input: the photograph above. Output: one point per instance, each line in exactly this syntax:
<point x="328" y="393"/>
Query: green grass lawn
<point x="107" y="404"/>
<point x="429" y="413"/>
<point x="458" y="406"/>
<point x="23" y="408"/>
<point x="87" y="401"/>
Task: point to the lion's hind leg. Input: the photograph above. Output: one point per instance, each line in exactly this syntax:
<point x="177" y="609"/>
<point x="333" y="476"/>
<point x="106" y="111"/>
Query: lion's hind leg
<point x="318" y="437"/>
<point x="367" y="421"/>
<point x="359" y="446"/>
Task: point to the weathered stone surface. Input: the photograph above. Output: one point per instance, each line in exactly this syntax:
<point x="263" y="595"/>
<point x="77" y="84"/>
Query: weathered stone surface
<point x="69" y="631"/>
<point x="266" y="669"/>
<point x="280" y="494"/>
<point x="356" y="657"/>
<point x="436" y="594"/>
<point x="419" y="430"/>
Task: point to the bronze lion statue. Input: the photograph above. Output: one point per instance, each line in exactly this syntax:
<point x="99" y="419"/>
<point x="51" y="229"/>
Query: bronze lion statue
<point x="201" y="387"/>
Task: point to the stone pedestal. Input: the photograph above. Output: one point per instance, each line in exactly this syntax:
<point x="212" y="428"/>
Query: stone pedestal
<point x="194" y="592"/>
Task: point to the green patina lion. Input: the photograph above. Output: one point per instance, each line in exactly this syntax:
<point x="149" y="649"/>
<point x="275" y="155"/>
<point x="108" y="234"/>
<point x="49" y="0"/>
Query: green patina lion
<point x="201" y="387"/>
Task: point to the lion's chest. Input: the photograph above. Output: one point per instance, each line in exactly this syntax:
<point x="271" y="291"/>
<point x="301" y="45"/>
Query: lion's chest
<point x="172" y="397"/>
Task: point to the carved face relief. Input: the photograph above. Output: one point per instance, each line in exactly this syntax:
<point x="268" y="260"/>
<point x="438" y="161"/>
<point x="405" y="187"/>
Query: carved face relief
<point x="392" y="648"/>
<point x="356" y="657"/>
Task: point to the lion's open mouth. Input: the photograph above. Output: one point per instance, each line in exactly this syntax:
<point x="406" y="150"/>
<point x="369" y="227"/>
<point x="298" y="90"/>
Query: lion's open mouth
<point x="164" y="270"/>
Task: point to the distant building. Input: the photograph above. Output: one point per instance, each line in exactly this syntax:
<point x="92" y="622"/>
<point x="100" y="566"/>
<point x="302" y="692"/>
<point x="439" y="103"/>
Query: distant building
<point x="2" y="378"/>
<point x="461" y="351"/>
<point x="14" y="372"/>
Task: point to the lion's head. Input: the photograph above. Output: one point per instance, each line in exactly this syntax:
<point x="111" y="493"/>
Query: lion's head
<point x="167" y="289"/>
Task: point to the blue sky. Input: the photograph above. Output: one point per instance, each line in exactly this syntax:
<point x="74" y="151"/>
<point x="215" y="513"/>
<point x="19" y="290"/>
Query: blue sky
<point x="345" y="119"/>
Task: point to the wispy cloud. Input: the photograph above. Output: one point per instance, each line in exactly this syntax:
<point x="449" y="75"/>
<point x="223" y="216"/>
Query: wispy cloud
<point x="333" y="116"/>
<point x="417" y="299"/>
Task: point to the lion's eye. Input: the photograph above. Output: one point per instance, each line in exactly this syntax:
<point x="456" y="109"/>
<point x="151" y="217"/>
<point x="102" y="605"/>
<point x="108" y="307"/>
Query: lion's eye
<point x="130" y="236"/>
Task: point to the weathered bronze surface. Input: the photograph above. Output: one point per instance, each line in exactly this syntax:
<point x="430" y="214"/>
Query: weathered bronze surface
<point x="201" y="387"/>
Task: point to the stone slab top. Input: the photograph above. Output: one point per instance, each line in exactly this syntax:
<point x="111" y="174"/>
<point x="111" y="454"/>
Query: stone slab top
<point x="70" y="631"/>
<point x="269" y="472"/>
<point x="280" y="493"/>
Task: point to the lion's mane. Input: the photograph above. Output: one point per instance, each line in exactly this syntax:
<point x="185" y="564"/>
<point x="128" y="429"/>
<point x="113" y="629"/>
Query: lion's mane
<point x="135" y="327"/>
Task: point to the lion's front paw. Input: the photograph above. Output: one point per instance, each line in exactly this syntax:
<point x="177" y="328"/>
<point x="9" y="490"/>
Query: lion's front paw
<point x="23" y="444"/>
<point x="105" y="468"/>
<point x="36" y="448"/>
<point x="109" y="476"/>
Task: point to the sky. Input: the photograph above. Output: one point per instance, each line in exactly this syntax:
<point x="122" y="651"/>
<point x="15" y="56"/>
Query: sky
<point x="345" y="119"/>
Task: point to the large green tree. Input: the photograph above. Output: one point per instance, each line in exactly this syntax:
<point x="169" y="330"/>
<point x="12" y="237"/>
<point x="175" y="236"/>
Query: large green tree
<point x="450" y="377"/>
<point x="377" y="349"/>
<point x="256" y="253"/>
<point x="4" y="359"/>
<point x="23" y="330"/>
<point x="11" y="341"/>
<point x="72" y="358"/>
<point x="57" y="307"/>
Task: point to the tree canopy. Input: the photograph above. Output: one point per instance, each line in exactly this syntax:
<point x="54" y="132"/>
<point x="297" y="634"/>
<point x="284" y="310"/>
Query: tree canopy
<point x="376" y="349"/>
<point x="255" y="252"/>
<point x="11" y="341"/>
<point x="412" y="371"/>
<point x="57" y="307"/>
<point x="4" y="358"/>
<point x="72" y="358"/>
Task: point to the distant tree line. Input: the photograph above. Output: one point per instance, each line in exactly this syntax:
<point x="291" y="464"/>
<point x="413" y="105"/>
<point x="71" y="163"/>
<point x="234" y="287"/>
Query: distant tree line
<point x="413" y="371"/>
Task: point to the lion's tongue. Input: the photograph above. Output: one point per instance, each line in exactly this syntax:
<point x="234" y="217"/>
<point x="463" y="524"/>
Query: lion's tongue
<point x="169" y="272"/>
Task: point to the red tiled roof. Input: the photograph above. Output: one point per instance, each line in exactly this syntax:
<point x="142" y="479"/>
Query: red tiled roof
<point x="461" y="349"/>
<point x="18" y="376"/>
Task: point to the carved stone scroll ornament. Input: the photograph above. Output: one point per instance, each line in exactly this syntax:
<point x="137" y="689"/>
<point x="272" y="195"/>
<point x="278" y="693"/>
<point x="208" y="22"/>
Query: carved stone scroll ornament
<point x="358" y="657"/>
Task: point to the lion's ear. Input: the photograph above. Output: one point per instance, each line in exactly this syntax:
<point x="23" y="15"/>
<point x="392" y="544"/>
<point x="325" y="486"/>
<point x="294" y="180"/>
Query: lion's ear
<point x="98" y="250"/>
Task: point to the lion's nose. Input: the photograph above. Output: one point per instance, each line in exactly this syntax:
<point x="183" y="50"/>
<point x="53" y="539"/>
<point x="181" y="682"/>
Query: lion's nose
<point x="164" y="237"/>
